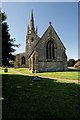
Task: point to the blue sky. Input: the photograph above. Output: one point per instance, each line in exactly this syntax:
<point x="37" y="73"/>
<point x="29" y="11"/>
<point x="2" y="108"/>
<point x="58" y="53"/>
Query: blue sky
<point x="63" y="15"/>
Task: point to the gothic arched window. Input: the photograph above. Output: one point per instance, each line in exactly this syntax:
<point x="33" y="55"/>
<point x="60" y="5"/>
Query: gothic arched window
<point x="23" y="60"/>
<point x="50" y="50"/>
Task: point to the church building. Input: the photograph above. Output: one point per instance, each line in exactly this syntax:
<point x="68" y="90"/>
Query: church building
<point x="42" y="54"/>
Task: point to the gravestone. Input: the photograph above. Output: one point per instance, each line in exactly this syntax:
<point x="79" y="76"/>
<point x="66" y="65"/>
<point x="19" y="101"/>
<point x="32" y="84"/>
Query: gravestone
<point x="35" y="78"/>
<point x="5" y="70"/>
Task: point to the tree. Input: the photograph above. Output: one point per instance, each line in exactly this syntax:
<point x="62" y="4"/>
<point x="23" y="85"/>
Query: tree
<point x="7" y="42"/>
<point x="77" y="60"/>
<point x="71" y="62"/>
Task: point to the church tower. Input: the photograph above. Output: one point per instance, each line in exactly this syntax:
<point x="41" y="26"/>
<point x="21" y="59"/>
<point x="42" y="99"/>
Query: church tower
<point x="31" y="37"/>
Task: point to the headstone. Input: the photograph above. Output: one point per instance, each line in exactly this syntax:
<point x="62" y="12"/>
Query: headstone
<point x="36" y="78"/>
<point x="5" y="70"/>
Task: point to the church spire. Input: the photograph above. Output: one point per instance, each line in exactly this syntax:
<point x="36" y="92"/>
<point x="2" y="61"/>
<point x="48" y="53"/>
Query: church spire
<point x="32" y="28"/>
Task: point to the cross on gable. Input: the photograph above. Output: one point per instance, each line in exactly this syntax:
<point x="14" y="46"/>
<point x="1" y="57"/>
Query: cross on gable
<point x="50" y="23"/>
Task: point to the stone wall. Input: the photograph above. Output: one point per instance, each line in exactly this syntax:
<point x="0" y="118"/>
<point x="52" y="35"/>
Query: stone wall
<point x="60" y="60"/>
<point x="18" y="60"/>
<point x="50" y="66"/>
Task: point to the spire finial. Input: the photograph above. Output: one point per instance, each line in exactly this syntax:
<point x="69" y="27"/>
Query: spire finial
<point x="32" y="12"/>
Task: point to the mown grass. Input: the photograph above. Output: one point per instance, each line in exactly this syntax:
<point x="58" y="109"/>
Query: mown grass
<point x="24" y="70"/>
<point x="44" y="100"/>
<point x="71" y="74"/>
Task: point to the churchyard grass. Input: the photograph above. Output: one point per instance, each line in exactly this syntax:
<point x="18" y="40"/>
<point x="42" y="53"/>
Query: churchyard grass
<point x="47" y="99"/>
<point x="71" y="73"/>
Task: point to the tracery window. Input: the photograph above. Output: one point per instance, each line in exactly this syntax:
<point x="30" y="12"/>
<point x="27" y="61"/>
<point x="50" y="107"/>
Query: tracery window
<point x="23" y="60"/>
<point x="50" y="50"/>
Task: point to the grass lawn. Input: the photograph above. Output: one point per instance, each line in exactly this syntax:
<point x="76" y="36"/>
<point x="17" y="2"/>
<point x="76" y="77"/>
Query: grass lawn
<point x="71" y="74"/>
<point x="44" y="100"/>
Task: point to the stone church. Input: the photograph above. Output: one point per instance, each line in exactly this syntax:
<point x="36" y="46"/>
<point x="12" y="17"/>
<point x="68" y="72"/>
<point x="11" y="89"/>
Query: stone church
<point x="42" y="54"/>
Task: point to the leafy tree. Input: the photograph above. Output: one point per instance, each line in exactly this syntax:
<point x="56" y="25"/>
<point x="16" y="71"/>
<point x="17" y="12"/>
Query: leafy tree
<point x="71" y="62"/>
<point x="77" y="60"/>
<point x="8" y="46"/>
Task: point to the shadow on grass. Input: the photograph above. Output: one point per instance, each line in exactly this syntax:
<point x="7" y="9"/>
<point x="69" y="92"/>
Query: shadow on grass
<point x="73" y="70"/>
<point x="42" y="100"/>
